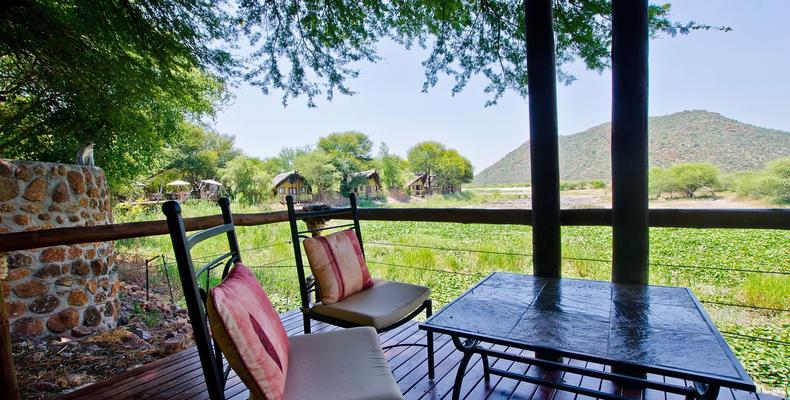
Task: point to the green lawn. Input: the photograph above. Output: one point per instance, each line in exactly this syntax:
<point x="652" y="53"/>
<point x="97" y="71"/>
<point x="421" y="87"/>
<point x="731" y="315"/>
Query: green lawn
<point x="451" y="257"/>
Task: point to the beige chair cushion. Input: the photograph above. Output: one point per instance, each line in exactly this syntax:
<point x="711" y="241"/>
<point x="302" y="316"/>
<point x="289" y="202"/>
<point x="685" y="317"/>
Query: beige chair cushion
<point x="380" y="306"/>
<point x="346" y="364"/>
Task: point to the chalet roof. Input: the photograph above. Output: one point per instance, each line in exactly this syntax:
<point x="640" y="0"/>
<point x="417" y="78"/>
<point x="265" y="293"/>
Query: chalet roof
<point x="367" y="174"/>
<point x="417" y="177"/>
<point x="281" y="177"/>
<point x="210" y="182"/>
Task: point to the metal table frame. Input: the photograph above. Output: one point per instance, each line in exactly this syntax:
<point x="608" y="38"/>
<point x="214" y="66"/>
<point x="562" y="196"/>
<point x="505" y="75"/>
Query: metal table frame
<point x="705" y="386"/>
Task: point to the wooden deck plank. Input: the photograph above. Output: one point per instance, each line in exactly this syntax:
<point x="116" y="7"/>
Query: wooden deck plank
<point x="179" y="376"/>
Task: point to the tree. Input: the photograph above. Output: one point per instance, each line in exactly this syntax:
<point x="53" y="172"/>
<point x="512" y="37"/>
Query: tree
<point x="126" y="74"/>
<point x="391" y="167"/>
<point x="284" y="160"/>
<point x="424" y="157"/>
<point x="349" y="152"/>
<point x="123" y="75"/>
<point x="318" y="171"/>
<point x="452" y="170"/>
<point x="780" y="170"/>
<point x="247" y="179"/>
<point x="322" y="43"/>
<point x="691" y="177"/>
<point x="660" y="181"/>
<point x="201" y="153"/>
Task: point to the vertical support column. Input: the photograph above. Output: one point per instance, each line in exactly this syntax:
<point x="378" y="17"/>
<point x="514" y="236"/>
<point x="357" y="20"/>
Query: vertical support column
<point x="629" y="141"/>
<point x="9" y="387"/>
<point x="543" y="147"/>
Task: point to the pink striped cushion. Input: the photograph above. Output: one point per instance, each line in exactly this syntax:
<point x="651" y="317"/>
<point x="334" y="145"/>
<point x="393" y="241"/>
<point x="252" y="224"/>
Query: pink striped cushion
<point x="338" y="265"/>
<point x="249" y="333"/>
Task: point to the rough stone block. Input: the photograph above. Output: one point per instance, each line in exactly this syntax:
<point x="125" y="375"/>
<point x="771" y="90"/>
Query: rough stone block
<point x="78" y="298"/>
<point x="91" y="317"/>
<point x="8" y="189"/>
<point x="64" y="320"/>
<point x="61" y="193"/>
<point x="31" y="288"/>
<point x="44" y="304"/>
<point x="53" y="254"/>
<point x="35" y="190"/>
<point x="28" y="327"/>
<point x="17" y="274"/>
<point x="16" y="308"/>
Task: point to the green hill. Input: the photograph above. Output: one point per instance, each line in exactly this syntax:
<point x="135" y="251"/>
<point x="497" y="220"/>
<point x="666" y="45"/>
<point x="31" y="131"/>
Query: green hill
<point x="688" y="136"/>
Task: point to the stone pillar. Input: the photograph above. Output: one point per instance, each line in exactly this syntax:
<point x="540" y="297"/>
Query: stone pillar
<point x="57" y="289"/>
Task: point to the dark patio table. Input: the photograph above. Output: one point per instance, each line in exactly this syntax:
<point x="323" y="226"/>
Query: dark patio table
<point x="635" y="329"/>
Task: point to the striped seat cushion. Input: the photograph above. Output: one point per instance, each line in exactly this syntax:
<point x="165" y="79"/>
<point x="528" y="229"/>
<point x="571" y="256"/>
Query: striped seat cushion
<point x="249" y="333"/>
<point x="338" y="265"/>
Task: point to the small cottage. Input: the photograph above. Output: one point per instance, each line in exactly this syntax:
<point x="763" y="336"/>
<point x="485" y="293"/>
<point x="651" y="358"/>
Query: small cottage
<point x="365" y="183"/>
<point x="417" y="186"/>
<point x="291" y="183"/>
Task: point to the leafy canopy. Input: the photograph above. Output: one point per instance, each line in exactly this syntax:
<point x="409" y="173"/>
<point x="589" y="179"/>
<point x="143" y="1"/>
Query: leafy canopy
<point x="318" y="171"/>
<point x="687" y="178"/>
<point x="247" y="179"/>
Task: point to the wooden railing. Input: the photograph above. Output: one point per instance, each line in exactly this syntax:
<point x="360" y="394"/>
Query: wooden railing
<point x="679" y="218"/>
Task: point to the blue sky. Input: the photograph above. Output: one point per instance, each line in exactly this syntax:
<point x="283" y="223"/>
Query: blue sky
<point x="742" y="74"/>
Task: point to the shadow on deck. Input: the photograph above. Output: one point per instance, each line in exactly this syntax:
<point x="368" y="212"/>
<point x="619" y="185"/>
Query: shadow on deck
<point x="179" y="376"/>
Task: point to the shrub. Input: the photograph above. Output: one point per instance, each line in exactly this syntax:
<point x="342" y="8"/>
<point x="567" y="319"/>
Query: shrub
<point x="773" y="183"/>
<point x="687" y="178"/>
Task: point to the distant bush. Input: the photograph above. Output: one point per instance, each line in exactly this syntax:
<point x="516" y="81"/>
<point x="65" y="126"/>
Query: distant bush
<point x="578" y="185"/>
<point x="772" y="183"/>
<point x="690" y="179"/>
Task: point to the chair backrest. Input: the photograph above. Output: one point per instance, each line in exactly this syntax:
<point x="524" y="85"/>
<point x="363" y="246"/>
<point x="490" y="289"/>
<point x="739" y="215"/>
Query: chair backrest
<point x="195" y="295"/>
<point x="305" y="287"/>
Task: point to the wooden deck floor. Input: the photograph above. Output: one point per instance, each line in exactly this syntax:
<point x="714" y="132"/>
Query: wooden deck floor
<point x="180" y="377"/>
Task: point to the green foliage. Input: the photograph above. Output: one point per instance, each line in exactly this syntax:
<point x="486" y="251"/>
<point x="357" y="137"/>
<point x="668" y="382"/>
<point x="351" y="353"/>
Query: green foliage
<point x="772" y="183"/>
<point x="317" y="168"/>
<point x="675" y="254"/>
<point x="453" y="170"/>
<point x="425" y="156"/>
<point x="200" y="154"/>
<point x="247" y="179"/>
<point x="351" y="144"/>
<point x="780" y="169"/>
<point x="578" y="185"/>
<point x="768" y="291"/>
<point x="349" y="152"/>
<point x="392" y="168"/>
<point x="692" y="177"/>
<point x="687" y="178"/>
<point x="284" y="160"/>
<point x="123" y="75"/>
<point x="149" y="318"/>
<point x="445" y="167"/>
<point x="684" y="137"/>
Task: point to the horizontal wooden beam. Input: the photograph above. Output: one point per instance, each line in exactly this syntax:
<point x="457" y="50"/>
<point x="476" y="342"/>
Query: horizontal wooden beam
<point x="678" y="218"/>
<point x="105" y="233"/>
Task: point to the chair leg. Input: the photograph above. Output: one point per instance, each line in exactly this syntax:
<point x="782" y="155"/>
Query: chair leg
<point x="306" y="320"/>
<point x="429" y="338"/>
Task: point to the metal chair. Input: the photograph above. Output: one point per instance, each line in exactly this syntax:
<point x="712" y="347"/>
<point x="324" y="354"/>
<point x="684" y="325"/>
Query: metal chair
<point x="359" y="348"/>
<point x="196" y="296"/>
<point x="307" y="284"/>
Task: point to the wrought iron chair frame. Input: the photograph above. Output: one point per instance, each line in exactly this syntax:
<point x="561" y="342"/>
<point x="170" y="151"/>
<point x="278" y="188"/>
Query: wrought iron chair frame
<point x="196" y="296"/>
<point x="308" y="285"/>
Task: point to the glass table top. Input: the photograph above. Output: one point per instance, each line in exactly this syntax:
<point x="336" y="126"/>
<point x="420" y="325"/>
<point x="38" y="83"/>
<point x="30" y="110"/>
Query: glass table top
<point x="649" y="325"/>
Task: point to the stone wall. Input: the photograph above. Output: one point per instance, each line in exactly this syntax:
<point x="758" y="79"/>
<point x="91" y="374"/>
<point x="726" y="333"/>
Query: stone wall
<point x="64" y="290"/>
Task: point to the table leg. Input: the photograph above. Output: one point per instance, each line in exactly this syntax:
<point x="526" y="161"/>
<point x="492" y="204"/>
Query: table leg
<point x="486" y="368"/>
<point x="467" y="347"/>
<point x="704" y="391"/>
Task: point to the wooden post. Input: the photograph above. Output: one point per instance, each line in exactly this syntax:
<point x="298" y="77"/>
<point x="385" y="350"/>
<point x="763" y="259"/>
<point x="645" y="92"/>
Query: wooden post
<point x="543" y="147"/>
<point x="9" y="387"/>
<point x="629" y="141"/>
